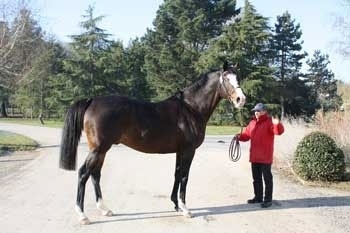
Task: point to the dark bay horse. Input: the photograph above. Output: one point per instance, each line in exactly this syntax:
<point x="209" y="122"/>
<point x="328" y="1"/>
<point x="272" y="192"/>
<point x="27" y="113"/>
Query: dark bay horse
<point x="175" y="125"/>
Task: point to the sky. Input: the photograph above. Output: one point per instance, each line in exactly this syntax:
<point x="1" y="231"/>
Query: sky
<point x="128" y="19"/>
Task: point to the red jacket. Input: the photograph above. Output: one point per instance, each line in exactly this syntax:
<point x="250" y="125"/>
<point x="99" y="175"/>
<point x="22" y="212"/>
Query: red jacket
<point x="261" y="134"/>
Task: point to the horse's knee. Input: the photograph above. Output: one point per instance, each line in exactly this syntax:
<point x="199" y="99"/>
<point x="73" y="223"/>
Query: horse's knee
<point x="184" y="180"/>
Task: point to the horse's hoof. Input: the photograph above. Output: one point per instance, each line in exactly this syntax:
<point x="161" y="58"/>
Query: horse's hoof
<point x="108" y="213"/>
<point x="84" y="221"/>
<point x="188" y="214"/>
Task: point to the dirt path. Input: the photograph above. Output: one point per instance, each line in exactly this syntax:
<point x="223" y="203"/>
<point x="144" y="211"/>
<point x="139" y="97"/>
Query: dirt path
<point x="39" y="197"/>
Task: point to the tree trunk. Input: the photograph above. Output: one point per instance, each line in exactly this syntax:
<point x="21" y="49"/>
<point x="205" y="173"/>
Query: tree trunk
<point x="282" y="108"/>
<point x="3" y="112"/>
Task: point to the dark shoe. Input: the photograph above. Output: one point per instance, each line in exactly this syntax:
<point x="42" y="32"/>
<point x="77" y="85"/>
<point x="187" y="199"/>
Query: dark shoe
<point x="254" y="200"/>
<point x="266" y="204"/>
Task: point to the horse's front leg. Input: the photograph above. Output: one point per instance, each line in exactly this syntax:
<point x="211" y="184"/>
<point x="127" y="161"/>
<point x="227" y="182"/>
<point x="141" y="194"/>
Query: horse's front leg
<point x="184" y="169"/>
<point x="175" y="191"/>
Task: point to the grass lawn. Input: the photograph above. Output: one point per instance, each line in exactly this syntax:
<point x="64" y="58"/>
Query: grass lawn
<point x="36" y="122"/>
<point x="222" y="130"/>
<point x="14" y="142"/>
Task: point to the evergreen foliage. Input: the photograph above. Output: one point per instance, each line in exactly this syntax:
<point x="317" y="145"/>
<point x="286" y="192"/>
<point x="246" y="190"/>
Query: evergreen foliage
<point x="84" y="64"/>
<point x="137" y="77"/>
<point x="317" y="157"/>
<point x="287" y="55"/>
<point x="41" y="76"/>
<point x="322" y="82"/>
<point x="245" y="40"/>
<point x="182" y="31"/>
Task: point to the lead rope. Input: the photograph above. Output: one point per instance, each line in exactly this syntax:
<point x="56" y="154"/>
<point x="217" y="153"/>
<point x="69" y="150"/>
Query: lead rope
<point x="234" y="151"/>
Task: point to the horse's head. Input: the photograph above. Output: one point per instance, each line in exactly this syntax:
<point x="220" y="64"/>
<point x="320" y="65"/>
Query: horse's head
<point x="230" y="87"/>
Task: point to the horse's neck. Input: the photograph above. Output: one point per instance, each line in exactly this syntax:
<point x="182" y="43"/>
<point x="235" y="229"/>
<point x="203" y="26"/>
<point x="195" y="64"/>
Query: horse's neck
<point x="205" y="99"/>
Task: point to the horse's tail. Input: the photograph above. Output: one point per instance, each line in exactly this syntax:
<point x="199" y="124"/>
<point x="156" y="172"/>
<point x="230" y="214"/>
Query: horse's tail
<point x="73" y="126"/>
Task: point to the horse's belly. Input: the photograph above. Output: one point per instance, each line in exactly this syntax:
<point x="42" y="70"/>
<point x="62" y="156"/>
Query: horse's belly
<point x="150" y="144"/>
<point x="151" y="148"/>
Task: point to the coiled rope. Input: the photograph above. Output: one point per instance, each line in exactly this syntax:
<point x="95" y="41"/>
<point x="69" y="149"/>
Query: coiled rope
<point x="234" y="151"/>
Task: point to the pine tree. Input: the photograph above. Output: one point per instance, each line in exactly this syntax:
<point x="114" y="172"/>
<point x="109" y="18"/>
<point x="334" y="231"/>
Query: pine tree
<point x="245" y="40"/>
<point x="113" y="65"/>
<point x="139" y="87"/>
<point x="287" y="58"/>
<point x="84" y="66"/>
<point x="182" y="31"/>
<point x="322" y="81"/>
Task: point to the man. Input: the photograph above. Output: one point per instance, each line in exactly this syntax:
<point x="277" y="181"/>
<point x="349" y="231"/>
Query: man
<point x="261" y="131"/>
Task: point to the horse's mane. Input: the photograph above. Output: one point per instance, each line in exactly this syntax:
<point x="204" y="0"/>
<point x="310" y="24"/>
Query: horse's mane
<point x="200" y="82"/>
<point x="194" y="87"/>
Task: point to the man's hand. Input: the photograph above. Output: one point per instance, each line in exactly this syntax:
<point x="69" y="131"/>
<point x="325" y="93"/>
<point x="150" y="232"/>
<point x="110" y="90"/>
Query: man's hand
<point x="275" y="120"/>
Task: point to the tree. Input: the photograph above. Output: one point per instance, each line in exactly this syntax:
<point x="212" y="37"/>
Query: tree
<point x="20" y="38"/>
<point x="113" y="64"/>
<point x="322" y="81"/>
<point x="56" y="94"/>
<point x="245" y="40"/>
<point x="39" y="91"/>
<point x="287" y="56"/>
<point x="139" y="87"/>
<point x="182" y="31"/>
<point x="85" y="65"/>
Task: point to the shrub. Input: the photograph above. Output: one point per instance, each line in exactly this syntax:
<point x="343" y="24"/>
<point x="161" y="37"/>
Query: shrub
<point x="317" y="157"/>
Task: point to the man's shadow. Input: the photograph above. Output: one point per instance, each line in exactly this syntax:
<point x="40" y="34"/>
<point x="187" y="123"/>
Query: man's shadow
<point x="277" y="204"/>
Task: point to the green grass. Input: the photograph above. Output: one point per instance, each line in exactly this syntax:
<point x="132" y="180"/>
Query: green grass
<point x="222" y="130"/>
<point x="14" y="142"/>
<point x="35" y="122"/>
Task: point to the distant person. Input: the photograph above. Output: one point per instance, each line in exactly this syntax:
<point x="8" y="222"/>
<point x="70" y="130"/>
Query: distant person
<point x="41" y="118"/>
<point x="261" y="131"/>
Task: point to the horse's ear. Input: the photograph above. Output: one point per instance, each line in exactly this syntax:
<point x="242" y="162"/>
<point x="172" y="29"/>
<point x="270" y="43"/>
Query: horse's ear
<point x="225" y="66"/>
<point x="236" y="65"/>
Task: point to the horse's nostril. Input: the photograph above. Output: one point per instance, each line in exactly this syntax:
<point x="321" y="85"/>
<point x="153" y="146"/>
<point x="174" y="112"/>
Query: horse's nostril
<point x="238" y="99"/>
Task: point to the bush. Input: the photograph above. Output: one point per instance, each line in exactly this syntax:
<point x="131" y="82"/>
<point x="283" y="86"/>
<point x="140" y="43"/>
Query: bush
<point x="317" y="157"/>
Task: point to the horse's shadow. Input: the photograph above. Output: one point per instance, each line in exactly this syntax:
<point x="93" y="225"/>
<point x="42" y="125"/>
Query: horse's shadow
<point x="239" y="208"/>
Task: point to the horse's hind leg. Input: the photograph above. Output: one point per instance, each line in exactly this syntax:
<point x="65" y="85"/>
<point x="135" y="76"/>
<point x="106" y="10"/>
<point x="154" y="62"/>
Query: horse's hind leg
<point x="92" y="166"/>
<point x="83" y="176"/>
<point x="95" y="177"/>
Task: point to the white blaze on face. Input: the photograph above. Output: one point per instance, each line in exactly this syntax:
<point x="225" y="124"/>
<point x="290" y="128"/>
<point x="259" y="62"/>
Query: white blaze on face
<point x="233" y="81"/>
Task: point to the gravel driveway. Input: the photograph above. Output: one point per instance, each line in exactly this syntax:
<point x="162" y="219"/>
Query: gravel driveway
<point x="40" y="197"/>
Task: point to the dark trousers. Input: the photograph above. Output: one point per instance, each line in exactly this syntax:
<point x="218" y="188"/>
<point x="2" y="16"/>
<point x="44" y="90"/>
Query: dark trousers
<point x="260" y="170"/>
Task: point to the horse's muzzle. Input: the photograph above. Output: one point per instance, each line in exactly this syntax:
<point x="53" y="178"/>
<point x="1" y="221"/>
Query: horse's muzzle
<point x="238" y="99"/>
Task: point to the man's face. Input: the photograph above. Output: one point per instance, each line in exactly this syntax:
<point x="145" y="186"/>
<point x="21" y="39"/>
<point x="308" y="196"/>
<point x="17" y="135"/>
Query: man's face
<point x="259" y="113"/>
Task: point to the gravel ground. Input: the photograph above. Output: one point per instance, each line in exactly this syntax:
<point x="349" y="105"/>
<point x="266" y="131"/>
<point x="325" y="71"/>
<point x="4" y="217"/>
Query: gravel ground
<point x="39" y="197"/>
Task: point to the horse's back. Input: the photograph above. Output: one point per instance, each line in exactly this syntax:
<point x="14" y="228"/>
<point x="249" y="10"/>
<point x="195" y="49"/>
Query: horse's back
<point x="144" y="126"/>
